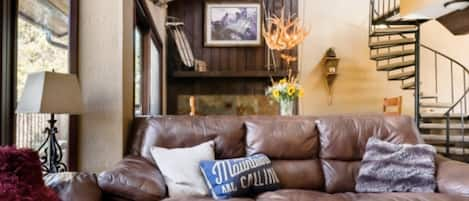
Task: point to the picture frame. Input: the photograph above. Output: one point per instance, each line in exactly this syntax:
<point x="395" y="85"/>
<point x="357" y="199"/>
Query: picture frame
<point x="228" y="24"/>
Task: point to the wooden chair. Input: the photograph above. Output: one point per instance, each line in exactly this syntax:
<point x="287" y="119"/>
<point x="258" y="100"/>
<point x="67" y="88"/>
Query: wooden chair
<point x="394" y="102"/>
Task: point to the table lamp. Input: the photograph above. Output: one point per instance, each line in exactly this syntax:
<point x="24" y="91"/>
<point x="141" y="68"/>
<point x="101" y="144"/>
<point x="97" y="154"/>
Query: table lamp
<point x="51" y="93"/>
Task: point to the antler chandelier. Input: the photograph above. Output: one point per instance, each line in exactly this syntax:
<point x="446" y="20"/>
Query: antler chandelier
<point x="283" y="34"/>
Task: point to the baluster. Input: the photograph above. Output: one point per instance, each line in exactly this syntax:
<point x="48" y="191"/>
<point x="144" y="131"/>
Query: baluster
<point x="384" y="12"/>
<point x="30" y="130"/>
<point x="436" y="76"/>
<point x="19" y="131"/>
<point x="462" y="132"/>
<point x="452" y="83"/>
<point x="389" y="6"/>
<point x="465" y="97"/>
<point x="447" y="134"/>
<point x="379" y="7"/>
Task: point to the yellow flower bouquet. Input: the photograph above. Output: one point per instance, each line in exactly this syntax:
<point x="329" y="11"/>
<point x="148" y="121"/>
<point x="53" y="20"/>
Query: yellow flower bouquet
<point x="285" y="92"/>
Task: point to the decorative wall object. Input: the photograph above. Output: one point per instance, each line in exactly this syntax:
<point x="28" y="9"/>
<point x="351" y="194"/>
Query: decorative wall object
<point x="176" y="30"/>
<point x="331" y="71"/>
<point x="283" y="33"/>
<point x="232" y="24"/>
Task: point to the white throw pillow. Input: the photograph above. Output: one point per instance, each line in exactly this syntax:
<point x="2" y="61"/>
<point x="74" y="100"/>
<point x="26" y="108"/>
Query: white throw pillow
<point x="180" y="168"/>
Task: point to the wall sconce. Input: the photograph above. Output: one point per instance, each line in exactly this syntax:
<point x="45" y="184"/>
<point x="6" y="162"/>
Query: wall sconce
<point x="161" y="3"/>
<point x="331" y="71"/>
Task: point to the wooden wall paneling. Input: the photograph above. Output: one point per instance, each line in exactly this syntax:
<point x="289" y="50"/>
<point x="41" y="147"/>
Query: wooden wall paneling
<point x="233" y="55"/>
<point x="234" y="59"/>
<point x="260" y="59"/>
<point x="198" y="35"/>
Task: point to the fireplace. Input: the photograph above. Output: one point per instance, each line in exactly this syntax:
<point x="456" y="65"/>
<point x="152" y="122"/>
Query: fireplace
<point x="228" y="105"/>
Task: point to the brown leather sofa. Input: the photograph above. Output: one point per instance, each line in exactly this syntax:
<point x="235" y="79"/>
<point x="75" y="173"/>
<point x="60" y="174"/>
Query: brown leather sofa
<point x="316" y="158"/>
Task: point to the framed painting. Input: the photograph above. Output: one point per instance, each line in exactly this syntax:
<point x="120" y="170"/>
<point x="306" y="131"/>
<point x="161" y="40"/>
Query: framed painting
<point x="232" y="24"/>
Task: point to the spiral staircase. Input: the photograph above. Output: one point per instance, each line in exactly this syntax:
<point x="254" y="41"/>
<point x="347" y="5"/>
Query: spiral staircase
<point x="440" y="102"/>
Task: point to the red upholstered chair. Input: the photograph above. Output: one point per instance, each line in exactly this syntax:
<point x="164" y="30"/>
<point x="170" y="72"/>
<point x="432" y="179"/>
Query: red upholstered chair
<point x="21" y="176"/>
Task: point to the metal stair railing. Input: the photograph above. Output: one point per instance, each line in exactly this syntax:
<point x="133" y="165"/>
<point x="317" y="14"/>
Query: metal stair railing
<point x="383" y="9"/>
<point x="379" y="9"/>
<point x="459" y="107"/>
<point x="380" y="12"/>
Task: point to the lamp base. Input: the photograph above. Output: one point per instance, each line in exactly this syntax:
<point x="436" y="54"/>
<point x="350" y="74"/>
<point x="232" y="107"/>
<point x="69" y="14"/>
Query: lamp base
<point x="51" y="159"/>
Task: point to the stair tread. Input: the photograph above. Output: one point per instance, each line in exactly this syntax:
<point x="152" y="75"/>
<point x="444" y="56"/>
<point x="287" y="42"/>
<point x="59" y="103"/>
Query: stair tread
<point x="388" y="43"/>
<point x="436" y="105"/>
<point x="402" y="75"/>
<point x="409" y="85"/>
<point x="452" y="150"/>
<point x="394" y="30"/>
<point x="428" y="97"/>
<point x="393" y="54"/>
<point x="442" y="126"/>
<point x="452" y="138"/>
<point x="394" y="66"/>
<point x="440" y="115"/>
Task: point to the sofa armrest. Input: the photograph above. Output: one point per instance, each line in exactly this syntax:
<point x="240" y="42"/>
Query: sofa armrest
<point x="452" y="177"/>
<point x="134" y="178"/>
<point x="73" y="186"/>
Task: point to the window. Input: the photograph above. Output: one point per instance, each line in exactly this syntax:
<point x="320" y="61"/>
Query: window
<point x="138" y="72"/>
<point x="43" y="44"/>
<point x="147" y="66"/>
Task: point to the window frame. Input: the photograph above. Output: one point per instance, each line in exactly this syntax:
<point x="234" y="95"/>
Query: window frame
<point x="9" y="50"/>
<point x="143" y="20"/>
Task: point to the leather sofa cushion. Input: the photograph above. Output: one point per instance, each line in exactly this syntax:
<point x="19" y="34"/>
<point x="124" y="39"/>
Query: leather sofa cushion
<point x="133" y="178"/>
<point x="345" y="137"/>
<point x="74" y="186"/>
<point x="340" y="176"/>
<point x="298" y="195"/>
<point x="299" y="174"/>
<point x="205" y="199"/>
<point x="184" y="131"/>
<point x="452" y="177"/>
<point x="400" y="197"/>
<point x="283" y="139"/>
<point x="305" y="195"/>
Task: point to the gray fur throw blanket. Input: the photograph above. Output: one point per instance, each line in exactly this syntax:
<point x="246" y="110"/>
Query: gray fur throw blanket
<point x="388" y="167"/>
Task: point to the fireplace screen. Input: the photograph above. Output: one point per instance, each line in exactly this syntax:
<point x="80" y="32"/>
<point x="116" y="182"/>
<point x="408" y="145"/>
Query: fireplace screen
<point x="228" y="105"/>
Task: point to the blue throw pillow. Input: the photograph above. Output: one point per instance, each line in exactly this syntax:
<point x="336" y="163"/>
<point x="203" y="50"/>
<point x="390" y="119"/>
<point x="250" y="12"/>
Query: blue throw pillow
<point x="239" y="177"/>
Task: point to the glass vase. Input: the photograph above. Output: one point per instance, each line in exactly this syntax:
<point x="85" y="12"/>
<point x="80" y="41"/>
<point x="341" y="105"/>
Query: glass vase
<point x="286" y="107"/>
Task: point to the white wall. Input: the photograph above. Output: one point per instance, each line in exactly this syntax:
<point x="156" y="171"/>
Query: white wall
<point x="359" y="88"/>
<point x="106" y="70"/>
<point x="106" y="74"/>
<point x="436" y="36"/>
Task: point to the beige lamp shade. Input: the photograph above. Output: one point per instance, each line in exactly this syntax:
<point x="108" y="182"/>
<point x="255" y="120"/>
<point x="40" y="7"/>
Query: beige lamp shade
<point x="49" y="92"/>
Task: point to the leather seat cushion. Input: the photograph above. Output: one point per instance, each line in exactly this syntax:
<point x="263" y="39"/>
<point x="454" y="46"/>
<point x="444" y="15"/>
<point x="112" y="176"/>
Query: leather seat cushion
<point x="305" y="195"/>
<point x="298" y="195"/>
<point x="299" y="174"/>
<point x="73" y="186"/>
<point x="340" y="176"/>
<point x="204" y="199"/>
<point x="401" y="197"/>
